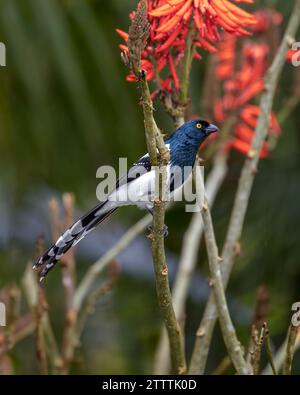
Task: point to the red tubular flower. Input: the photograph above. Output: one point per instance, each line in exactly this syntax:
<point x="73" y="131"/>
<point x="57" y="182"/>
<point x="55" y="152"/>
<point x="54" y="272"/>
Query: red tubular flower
<point x="244" y="147"/>
<point x="172" y="16"/>
<point x="266" y="19"/>
<point x="242" y="82"/>
<point x="171" y="21"/>
<point x="208" y="15"/>
<point x="226" y="57"/>
<point x="249" y="115"/>
<point x="173" y="71"/>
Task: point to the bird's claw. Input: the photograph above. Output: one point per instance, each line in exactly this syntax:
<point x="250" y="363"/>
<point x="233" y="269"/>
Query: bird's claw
<point x="164" y="232"/>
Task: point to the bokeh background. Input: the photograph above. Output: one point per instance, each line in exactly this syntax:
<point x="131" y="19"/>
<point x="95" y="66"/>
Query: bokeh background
<point x="65" y="110"/>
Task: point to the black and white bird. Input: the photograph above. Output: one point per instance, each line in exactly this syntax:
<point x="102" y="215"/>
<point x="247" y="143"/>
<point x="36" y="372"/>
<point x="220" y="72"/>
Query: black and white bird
<point x="136" y="188"/>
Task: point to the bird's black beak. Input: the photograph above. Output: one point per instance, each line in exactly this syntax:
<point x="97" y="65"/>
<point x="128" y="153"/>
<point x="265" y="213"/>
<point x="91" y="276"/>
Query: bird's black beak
<point x="212" y="128"/>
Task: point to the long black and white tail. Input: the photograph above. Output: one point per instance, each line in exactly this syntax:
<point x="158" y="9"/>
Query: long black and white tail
<point x="71" y="237"/>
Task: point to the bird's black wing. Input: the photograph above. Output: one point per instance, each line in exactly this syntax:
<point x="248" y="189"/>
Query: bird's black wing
<point x="88" y="222"/>
<point x="142" y="166"/>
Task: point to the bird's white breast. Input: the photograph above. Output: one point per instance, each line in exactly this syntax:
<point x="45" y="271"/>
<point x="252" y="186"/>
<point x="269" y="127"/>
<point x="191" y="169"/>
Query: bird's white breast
<point x="140" y="192"/>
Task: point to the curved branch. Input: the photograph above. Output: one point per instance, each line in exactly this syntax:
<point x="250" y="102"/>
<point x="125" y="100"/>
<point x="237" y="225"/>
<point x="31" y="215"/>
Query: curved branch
<point x="233" y="346"/>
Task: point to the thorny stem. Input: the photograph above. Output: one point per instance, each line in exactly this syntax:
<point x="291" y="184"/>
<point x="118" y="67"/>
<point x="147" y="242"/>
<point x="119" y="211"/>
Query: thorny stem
<point x="207" y="324"/>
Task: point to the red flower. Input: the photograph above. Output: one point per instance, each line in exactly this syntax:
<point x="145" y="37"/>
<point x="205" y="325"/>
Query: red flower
<point x="242" y="81"/>
<point x="207" y="15"/>
<point x="244" y="131"/>
<point x="266" y="19"/>
<point x="242" y="85"/>
<point x="172" y="20"/>
<point x="249" y="115"/>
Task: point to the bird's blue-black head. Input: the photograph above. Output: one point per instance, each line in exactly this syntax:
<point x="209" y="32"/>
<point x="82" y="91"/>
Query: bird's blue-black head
<point x="186" y="140"/>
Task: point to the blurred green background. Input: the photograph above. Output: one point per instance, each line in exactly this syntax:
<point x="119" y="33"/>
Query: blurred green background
<point x="66" y="109"/>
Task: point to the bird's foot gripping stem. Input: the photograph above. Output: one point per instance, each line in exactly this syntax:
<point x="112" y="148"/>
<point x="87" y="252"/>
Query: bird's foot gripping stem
<point x="163" y="232"/>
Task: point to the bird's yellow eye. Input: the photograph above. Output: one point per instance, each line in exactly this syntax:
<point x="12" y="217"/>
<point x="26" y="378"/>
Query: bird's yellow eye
<point x="198" y="125"/>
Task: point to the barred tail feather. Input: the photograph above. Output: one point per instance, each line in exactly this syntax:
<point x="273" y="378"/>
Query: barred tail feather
<point x="71" y="237"/>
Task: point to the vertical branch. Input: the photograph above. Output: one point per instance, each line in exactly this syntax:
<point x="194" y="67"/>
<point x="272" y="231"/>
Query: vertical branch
<point x="159" y="157"/>
<point x="234" y="347"/>
<point x="257" y="343"/>
<point x="279" y="358"/>
<point x="269" y="351"/>
<point x="155" y="140"/>
<point x="290" y="349"/>
<point x="259" y="319"/>
<point x="187" y="263"/>
<point x="234" y="232"/>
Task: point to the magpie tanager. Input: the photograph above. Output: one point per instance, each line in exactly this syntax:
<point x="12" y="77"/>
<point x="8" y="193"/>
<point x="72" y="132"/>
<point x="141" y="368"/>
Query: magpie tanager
<point x="136" y="188"/>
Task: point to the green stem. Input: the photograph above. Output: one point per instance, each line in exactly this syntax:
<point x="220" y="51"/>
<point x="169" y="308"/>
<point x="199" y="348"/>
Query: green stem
<point x="155" y="143"/>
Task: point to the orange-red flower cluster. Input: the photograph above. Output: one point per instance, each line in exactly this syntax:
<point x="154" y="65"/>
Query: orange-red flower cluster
<point x="241" y="84"/>
<point x="207" y="16"/>
<point x="172" y="20"/>
<point x="244" y="131"/>
<point x="266" y="20"/>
